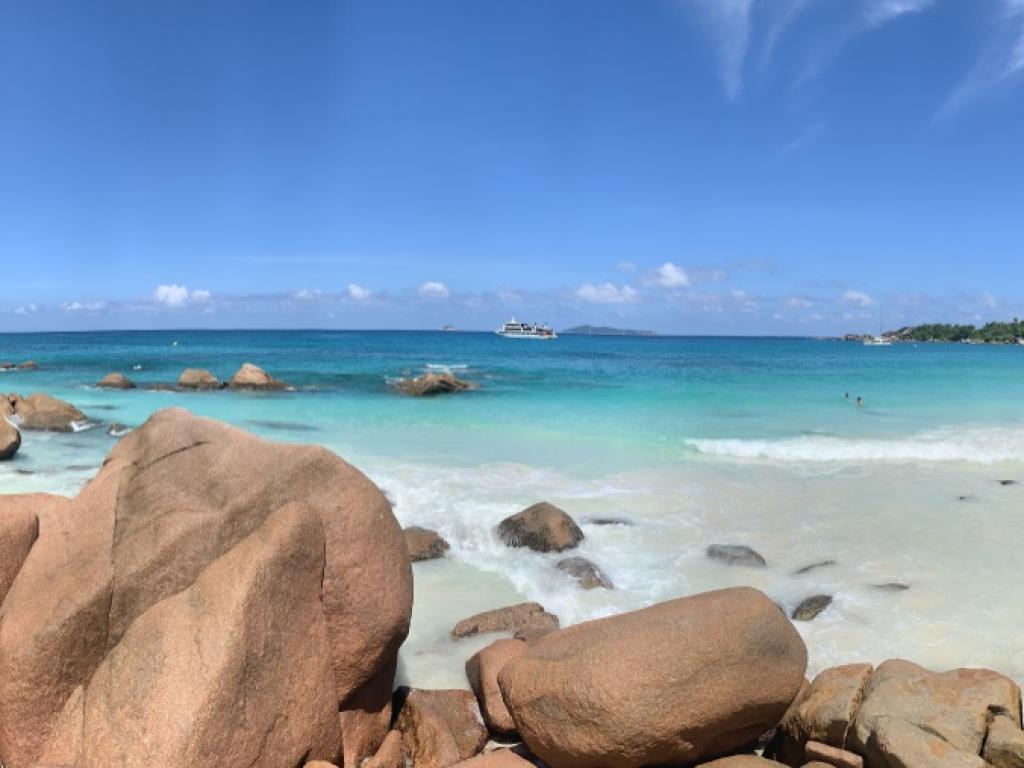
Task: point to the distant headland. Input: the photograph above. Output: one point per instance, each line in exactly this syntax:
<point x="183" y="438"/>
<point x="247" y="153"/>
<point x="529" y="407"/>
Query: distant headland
<point x="991" y="333"/>
<point x="604" y="330"/>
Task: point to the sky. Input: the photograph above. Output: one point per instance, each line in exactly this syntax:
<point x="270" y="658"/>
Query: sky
<point x="803" y="167"/>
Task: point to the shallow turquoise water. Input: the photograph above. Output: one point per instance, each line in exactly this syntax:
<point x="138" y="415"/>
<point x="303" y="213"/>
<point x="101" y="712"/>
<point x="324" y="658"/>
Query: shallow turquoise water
<point x="694" y="440"/>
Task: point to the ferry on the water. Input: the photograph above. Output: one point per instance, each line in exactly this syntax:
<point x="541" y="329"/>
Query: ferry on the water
<point x="513" y="329"/>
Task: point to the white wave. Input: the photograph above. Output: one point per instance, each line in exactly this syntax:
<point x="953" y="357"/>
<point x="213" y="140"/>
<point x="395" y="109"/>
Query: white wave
<point x="83" y="426"/>
<point x="446" y="367"/>
<point x="980" y="446"/>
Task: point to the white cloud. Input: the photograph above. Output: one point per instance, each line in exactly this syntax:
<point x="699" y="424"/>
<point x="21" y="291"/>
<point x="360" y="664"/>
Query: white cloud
<point x="358" y="293"/>
<point x="175" y="296"/>
<point x="307" y="294"/>
<point x="857" y="297"/>
<point x="27" y="309"/>
<point x="626" y="266"/>
<point x="84" y="306"/>
<point x="668" y="275"/>
<point x="878" y="12"/>
<point x="433" y="290"/>
<point x="728" y="22"/>
<point x="606" y="293"/>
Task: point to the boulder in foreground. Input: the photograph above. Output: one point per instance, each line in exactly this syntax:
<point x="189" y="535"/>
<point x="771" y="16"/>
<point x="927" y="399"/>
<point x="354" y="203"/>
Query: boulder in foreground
<point x="41" y="412"/>
<point x="281" y="566"/>
<point x="116" y="381"/>
<point x="482" y="670"/>
<point x="430" y="384"/>
<point x="10" y="439"/>
<point x="198" y="378"/>
<point x="423" y="543"/>
<point x="439" y="728"/>
<point x="511" y="618"/>
<point x="741" y="659"/>
<point x="542" y="527"/>
<point x="251" y="376"/>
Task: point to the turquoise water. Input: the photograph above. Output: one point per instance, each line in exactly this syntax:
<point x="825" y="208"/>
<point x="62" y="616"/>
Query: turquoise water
<point x="694" y="440"/>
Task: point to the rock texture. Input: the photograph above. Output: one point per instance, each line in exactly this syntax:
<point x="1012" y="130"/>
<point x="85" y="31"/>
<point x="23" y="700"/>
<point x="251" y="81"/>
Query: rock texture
<point x="19" y="529"/>
<point x="440" y="728"/>
<point x="908" y="711"/>
<point x="511" y="618"/>
<point x="116" y="381"/>
<point x="482" y="670"/>
<point x="121" y="574"/>
<point x="391" y="753"/>
<point x="608" y="692"/>
<point x="497" y="758"/>
<point x="1004" y="744"/>
<point x="430" y="384"/>
<point x="10" y="439"/>
<point x="810" y="607"/>
<point x="423" y="543"/>
<point x="542" y="527"/>
<point x="833" y="756"/>
<point x="198" y="378"/>
<point x="741" y="761"/>
<point x="41" y="412"/>
<point x="586" y="574"/>
<point x="251" y="376"/>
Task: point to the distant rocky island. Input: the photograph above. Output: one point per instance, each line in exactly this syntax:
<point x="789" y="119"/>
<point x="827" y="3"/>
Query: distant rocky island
<point x="991" y="333"/>
<point x="604" y="330"/>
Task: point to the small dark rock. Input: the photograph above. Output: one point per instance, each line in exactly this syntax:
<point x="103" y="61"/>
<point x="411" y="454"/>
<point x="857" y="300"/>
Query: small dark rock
<point x="736" y="554"/>
<point x="161" y="388"/>
<point x="1007" y="482"/>
<point x="892" y="586"/>
<point x="816" y="566"/>
<point x="587" y="575"/>
<point x="423" y="544"/>
<point x="608" y="521"/>
<point x="542" y="527"/>
<point x="511" y="618"/>
<point x="811" y="607"/>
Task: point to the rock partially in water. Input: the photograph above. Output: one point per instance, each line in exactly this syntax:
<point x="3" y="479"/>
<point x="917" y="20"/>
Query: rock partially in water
<point x="28" y="365"/>
<point x="41" y="412"/>
<point x="608" y="692"/>
<point x="161" y="388"/>
<point x="1007" y="482"/>
<point x="251" y="376"/>
<point x="542" y="527"/>
<point x="511" y="618"/>
<point x="424" y="544"/>
<point x="439" y="728"/>
<point x="116" y="429"/>
<point x="608" y="521"/>
<point x="891" y="586"/>
<point x="736" y="554"/>
<point x="430" y="384"/>
<point x="810" y="607"/>
<point x="816" y="566"/>
<point x="198" y="378"/>
<point x="10" y="439"/>
<point x="587" y="575"/>
<point x="116" y="381"/>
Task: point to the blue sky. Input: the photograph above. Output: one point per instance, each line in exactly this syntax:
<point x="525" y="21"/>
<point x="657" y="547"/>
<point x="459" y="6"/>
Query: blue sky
<point x="689" y="166"/>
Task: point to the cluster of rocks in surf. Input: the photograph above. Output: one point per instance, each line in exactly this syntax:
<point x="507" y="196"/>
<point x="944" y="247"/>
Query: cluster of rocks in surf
<point x="212" y="599"/>
<point x="248" y="377"/>
<point x="431" y="384"/>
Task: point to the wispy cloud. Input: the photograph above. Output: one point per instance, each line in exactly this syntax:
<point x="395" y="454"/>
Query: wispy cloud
<point x="433" y="290"/>
<point x="84" y="306"/>
<point x="808" y="135"/>
<point x="1000" y="63"/>
<point x="857" y="298"/>
<point x="606" y="293"/>
<point x="787" y="12"/>
<point x="878" y="12"/>
<point x="728" y="22"/>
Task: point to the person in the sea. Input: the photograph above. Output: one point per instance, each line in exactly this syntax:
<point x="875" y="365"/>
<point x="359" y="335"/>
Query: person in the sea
<point x="846" y="396"/>
<point x="860" y="401"/>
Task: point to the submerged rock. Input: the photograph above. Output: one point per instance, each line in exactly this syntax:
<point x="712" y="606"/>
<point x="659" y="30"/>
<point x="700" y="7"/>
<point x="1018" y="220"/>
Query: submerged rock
<point x="892" y="586"/>
<point x="116" y="381"/>
<point x="511" y="618"/>
<point x="1007" y="482"/>
<point x="198" y="378"/>
<point x="736" y="554"/>
<point x="433" y="384"/>
<point x="542" y="527"/>
<point x="815" y="566"/>
<point x="10" y="439"/>
<point x="608" y="521"/>
<point x="203" y="580"/>
<point x="810" y="607"/>
<point x="742" y="662"/>
<point x="28" y="365"/>
<point x="586" y="574"/>
<point x="440" y="728"/>
<point x="423" y="543"/>
<point x="41" y="412"/>
<point x="116" y="429"/>
<point x="251" y="376"/>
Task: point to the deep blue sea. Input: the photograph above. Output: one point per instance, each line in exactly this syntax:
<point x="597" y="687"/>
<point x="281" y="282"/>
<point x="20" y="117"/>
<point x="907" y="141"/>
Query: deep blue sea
<point x="692" y="440"/>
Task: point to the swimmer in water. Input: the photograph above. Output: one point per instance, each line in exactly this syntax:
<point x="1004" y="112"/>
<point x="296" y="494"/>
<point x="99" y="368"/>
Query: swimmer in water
<point x="846" y="396"/>
<point x="860" y="401"/>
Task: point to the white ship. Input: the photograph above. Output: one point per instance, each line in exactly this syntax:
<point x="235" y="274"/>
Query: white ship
<point x="513" y="329"/>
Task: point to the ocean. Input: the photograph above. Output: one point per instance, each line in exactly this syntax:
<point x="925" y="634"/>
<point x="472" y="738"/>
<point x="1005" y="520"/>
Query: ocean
<point x="692" y="441"/>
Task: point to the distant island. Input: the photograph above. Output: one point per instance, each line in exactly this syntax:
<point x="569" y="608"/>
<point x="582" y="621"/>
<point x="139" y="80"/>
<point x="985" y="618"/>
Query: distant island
<point x="604" y="330"/>
<point x="991" y="333"/>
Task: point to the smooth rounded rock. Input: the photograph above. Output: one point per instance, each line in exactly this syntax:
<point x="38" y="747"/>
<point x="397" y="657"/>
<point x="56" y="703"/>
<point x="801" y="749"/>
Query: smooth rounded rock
<point x="41" y="412"/>
<point x="440" y="727"/>
<point x="251" y="376"/>
<point x="198" y="378"/>
<point x="482" y="670"/>
<point x="542" y="527"/>
<point x="736" y="554"/>
<point x="586" y="573"/>
<point x="431" y="384"/>
<point x="116" y="381"/>
<point x="423" y="543"/>
<point x="10" y="439"/>
<point x="609" y="692"/>
<point x="511" y="618"/>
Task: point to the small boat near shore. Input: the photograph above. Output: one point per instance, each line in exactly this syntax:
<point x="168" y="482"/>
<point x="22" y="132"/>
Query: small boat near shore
<point x="514" y="329"/>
